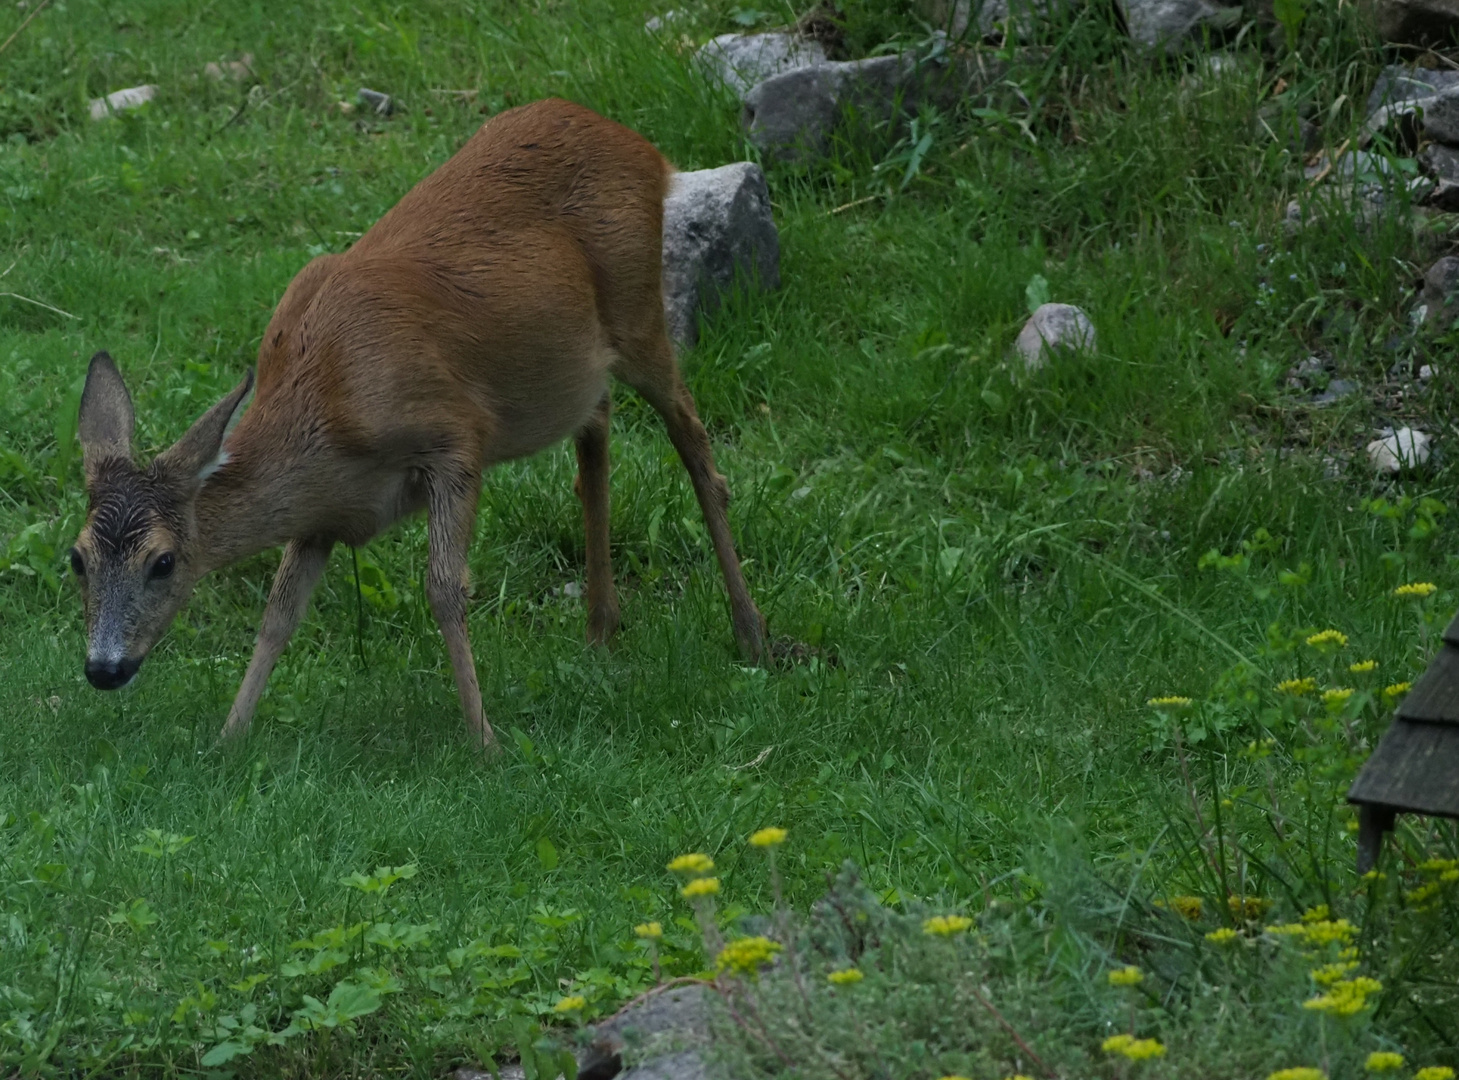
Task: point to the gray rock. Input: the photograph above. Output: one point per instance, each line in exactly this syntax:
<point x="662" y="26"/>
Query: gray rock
<point x="742" y="60"/>
<point x="1441" y="117"/>
<point x="1400" y="94"/>
<point x="1395" y="451"/>
<point x="1416" y="22"/>
<point x="1336" y="390"/>
<point x="237" y="70"/>
<point x="1054" y="327"/>
<point x="685" y="1065"/>
<point x="1441" y="163"/>
<point x="667" y="21"/>
<point x="792" y="116"/>
<point x="381" y="104"/>
<point x="1171" y="24"/>
<point x="1441" y="292"/>
<point x="717" y="223"/>
<point x="660" y="1027"/>
<point x="133" y="97"/>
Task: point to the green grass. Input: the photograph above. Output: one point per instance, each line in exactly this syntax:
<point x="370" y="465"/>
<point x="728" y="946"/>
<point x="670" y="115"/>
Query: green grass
<point x="996" y="575"/>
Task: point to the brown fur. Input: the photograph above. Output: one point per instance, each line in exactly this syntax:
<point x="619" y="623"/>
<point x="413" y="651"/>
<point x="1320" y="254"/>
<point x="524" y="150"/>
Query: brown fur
<point x="478" y="321"/>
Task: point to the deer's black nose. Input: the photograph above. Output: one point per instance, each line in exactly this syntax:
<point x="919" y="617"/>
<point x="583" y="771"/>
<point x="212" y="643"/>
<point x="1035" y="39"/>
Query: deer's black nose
<point x="111" y="674"/>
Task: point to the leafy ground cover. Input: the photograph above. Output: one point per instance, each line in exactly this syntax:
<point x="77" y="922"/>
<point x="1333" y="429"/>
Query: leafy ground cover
<point x="995" y="578"/>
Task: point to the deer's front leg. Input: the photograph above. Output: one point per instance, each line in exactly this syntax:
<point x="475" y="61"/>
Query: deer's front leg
<point x="299" y="572"/>
<point x="450" y="513"/>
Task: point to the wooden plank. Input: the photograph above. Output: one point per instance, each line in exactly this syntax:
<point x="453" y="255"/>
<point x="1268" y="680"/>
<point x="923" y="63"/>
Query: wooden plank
<point x="1415" y="769"/>
<point x="1435" y="696"/>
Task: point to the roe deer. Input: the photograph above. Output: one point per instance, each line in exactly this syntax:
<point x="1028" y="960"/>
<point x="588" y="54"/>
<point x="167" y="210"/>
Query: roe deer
<point x="477" y="321"/>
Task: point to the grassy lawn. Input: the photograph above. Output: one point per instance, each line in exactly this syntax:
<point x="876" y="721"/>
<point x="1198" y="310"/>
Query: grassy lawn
<point x="995" y="574"/>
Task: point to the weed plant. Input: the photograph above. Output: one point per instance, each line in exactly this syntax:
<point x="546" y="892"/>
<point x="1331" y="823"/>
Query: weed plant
<point x="992" y="575"/>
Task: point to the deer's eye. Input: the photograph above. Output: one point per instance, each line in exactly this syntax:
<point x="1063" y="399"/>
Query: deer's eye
<point x="78" y="567"/>
<point x="162" y="567"/>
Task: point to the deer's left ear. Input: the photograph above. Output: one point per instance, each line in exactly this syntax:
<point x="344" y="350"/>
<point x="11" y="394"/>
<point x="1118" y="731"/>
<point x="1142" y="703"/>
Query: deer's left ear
<point x="105" y="422"/>
<point x="200" y="453"/>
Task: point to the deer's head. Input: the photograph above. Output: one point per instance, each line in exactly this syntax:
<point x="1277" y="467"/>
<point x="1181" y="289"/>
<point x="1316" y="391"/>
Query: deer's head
<point x="137" y="557"/>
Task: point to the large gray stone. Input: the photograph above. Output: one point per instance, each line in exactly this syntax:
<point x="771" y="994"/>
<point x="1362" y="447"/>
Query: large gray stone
<point x="685" y="1065"/>
<point x="1171" y="24"/>
<point x="1441" y="117"/>
<point x="1416" y="22"/>
<point x="1441" y="292"/>
<point x="1442" y="164"/>
<point x="1401" y="94"/>
<point x="793" y="116"/>
<point x="717" y="224"/>
<point x="665" y="1026"/>
<point x="742" y="60"/>
<point x="1054" y="328"/>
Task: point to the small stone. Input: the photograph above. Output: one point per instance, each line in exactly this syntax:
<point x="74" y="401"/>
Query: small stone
<point x="1406" y="448"/>
<point x="381" y="104"/>
<point x="133" y="97"/>
<point x="1169" y="25"/>
<point x="1054" y="328"/>
<point x="1336" y="390"/>
<point x="742" y="60"/>
<point x="717" y="224"/>
<point x="237" y="70"/>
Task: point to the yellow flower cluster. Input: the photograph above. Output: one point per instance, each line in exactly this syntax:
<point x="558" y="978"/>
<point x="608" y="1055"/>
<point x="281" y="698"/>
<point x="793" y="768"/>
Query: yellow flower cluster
<point x="651" y="931"/>
<point x="1187" y="907"/>
<point x="845" y="977"/>
<point x="1174" y="701"/>
<point x="1435" y="1072"/>
<point x="695" y="863"/>
<point x="1382" y="1061"/>
<point x="768" y="837"/>
<point x="1302" y="1073"/>
<point x="1363" y="667"/>
<point x="1248" y="907"/>
<point x="1126" y="976"/>
<point x="571" y="1004"/>
<point x="1397" y="690"/>
<point x="1417" y="590"/>
<point x="1223" y="936"/>
<point x="1297" y="687"/>
<point x="1132" y="1048"/>
<point x="704" y="886"/>
<point x="1325" y="639"/>
<point x="746" y="955"/>
<point x="1422" y="893"/>
<point x="1328" y="974"/>
<point x="1439" y="866"/>
<point x="1318" y="931"/>
<point x="1346" y="998"/>
<point x="1336" y="699"/>
<point x="946" y="925"/>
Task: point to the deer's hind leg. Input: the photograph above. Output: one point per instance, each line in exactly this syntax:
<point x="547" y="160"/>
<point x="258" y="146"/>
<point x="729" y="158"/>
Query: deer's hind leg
<point x="591" y="486"/>
<point x="650" y="368"/>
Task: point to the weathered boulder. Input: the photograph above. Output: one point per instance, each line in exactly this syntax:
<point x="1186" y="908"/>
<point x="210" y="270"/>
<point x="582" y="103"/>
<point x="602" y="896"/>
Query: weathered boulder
<point x="1395" y="451"/>
<point x="717" y="224"/>
<point x="661" y="1032"/>
<point x="1441" y="116"/>
<point x="133" y="97"/>
<point x="1416" y="22"/>
<point x="1171" y="24"/>
<point x="685" y="1065"/>
<point x="792" y="116"/>
<point x="1441" y="163"/>
<point x="1400" y="96"/>
<point x="742" y="60"/>
<point x="1054" y="328"/>
<point x="1441" y="293"/>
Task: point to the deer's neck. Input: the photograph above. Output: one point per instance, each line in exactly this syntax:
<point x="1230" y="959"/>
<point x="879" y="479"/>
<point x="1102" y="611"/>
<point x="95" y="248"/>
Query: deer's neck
<point x="252" y="503"/>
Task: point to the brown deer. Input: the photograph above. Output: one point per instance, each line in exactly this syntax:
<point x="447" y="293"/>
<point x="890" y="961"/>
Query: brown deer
<point x="478" y="321"/>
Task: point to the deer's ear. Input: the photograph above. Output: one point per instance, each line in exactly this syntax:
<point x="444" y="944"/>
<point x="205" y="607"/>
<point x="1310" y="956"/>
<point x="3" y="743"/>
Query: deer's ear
<point x="200" y="453"/>
<point x="105" y="423"/>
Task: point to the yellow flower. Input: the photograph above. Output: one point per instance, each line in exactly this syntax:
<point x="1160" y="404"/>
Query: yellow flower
<point x="650" y="930"/>
<point x="1416" y="590"/>
<point x="747" y="955"/>
<point x="1247" y="907"/>
<point x="1223" y="936"/>
<point x="1297" y="687"/>
<point x="1325" y="639"/>
<point x="946" y="925"/>
<point x="704" y="886"/>
<point x="1336" y="699"/>
<point x="1171" y="702"/>
<point x="845" y="977"/>
<point x="1187" y="907"/>
<point x="1132" y="1048"/>
<point x="1396" y="691"/>
<point x="693" y="863"/>
<point x="1362" y="667"/>
<point x="1317" y="913"/>
<point x="767" y="837"/>
<point x="570" y="1004"/>
<point x="1298" y="1074"/>
<point x="1346" y="998"/>
<point x="1435" y="1072"/>
<point x="1382" y="1061"/>
<point x="1126" y="976"/>
<point x="1328" y="974"/>
<point x="1438" y="866"/>
<point x="1422" y="893"/>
